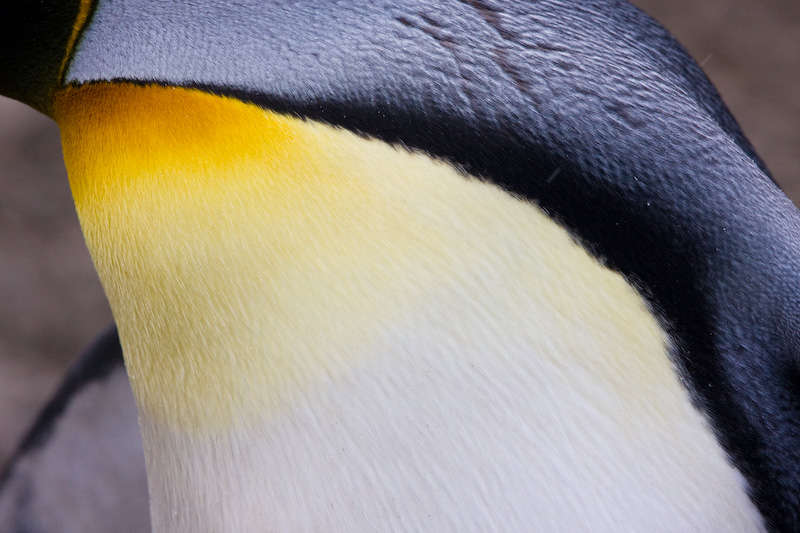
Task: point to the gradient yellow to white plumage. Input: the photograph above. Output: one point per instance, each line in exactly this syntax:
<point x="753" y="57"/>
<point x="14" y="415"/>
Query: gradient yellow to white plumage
<point x="346" y="304"/>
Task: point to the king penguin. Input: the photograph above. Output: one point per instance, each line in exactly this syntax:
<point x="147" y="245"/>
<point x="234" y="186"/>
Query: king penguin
<point x="464" y="265"/>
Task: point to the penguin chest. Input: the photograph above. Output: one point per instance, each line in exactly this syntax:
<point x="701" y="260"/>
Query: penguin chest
<point x="324" y="332"/>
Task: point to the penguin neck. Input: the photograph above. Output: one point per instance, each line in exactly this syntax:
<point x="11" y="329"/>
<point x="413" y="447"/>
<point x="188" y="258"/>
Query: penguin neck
<point x="380" y="336"/>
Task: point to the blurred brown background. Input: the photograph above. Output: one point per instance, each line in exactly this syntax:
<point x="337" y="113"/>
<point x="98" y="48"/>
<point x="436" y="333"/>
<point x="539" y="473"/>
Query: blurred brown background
<point x="51" y="305"/>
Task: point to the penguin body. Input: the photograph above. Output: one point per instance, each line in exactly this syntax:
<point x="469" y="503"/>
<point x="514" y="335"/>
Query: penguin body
<point x="390" y="399"/>
<point x="81" y="467"/>
<point x="432" y="266"/>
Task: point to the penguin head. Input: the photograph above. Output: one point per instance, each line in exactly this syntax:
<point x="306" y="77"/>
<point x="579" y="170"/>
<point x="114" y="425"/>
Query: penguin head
<point x="38" y="38"/>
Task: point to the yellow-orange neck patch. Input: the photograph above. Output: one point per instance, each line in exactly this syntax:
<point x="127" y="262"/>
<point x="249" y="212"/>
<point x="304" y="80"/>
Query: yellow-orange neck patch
<point x="249" y="256"/>
<point x="213" y="225"/>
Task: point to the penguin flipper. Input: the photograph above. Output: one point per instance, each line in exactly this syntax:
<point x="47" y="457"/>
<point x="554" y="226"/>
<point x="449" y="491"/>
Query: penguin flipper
<point x="81" y="466"/>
